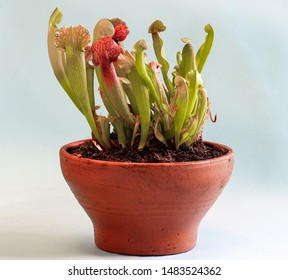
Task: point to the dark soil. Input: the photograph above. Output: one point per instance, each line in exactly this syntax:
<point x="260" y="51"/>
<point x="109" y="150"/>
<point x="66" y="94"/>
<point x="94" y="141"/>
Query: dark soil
<point x="156" y="152"/>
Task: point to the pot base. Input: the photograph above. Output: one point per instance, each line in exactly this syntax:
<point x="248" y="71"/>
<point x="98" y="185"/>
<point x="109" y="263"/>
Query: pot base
<point x="151" y="229"/>
<point x="139" y="244"/>
<point x="151" y="252"/>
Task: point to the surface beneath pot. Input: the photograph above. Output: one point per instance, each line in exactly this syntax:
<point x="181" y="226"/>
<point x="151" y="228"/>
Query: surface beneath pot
<point x="156" y="152"/>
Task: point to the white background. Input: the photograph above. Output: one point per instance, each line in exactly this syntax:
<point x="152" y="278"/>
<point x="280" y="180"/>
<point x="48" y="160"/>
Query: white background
<point x="246" y="78"/>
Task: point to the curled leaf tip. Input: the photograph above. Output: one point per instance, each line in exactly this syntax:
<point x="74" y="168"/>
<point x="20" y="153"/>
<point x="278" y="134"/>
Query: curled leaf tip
<point x="204" y="50"/>
<point x="180" y="81"/>
<point x="78" y="37"/>
<point x="186" y="40"/>
<point x="213" y="119"/>
<point x="208" y="28"/>
<point x="142" y="44"/>
<point x="55" y="18"/>
<point x="156" y="26"/>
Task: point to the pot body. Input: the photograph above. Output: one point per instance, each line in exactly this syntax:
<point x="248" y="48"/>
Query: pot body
<point x="145" y="209"/>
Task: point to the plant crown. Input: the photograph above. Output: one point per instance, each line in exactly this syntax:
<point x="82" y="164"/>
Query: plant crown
<point x="140" y="105"/>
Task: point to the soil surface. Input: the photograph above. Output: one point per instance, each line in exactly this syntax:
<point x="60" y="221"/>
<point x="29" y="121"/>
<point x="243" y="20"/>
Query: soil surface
<point x="156" y="152"/>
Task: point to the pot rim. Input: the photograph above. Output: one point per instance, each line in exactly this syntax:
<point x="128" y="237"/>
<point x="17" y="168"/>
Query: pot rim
<point x="63" y="152"/>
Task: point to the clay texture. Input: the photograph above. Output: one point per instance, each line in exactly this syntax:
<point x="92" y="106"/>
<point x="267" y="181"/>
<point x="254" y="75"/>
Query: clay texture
<point x="146" y="208"/>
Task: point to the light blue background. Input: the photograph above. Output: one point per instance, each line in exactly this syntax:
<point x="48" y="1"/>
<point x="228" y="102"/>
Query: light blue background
<point x="246" y="78"/>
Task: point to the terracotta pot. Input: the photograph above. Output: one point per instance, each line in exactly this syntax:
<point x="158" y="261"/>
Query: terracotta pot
<point x="145" y="209"/>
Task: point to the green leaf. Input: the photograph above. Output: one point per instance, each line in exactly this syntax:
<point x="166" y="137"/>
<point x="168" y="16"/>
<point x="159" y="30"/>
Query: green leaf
<point x="202" y="109"/>
<point x="118" y="124"/>
<point x="158" y="132"/>
<point x="141" y="96"/>
<point x="204" y="50"/>
<point x="138" y="95"/>
<point x="126" y="64"/>
<point x="188" y="60"/>
<point x="194" y="81"/>
<point x="181" y="102"/>
<point x="55" y="18"/>
<point x="153" y="75"/>
<point x="178" y="59"/>
<point x="156" y="27"/>
<point x="135" y="130"/>
<point x="126" y="85"/>
<point x="76" y="72"/>
<point x="141" y="67"/>
<point x="190" y="131"/>
<point x="90" y="85"/>
<point x="104" y="126"/>
<point x="57" y="56"/>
